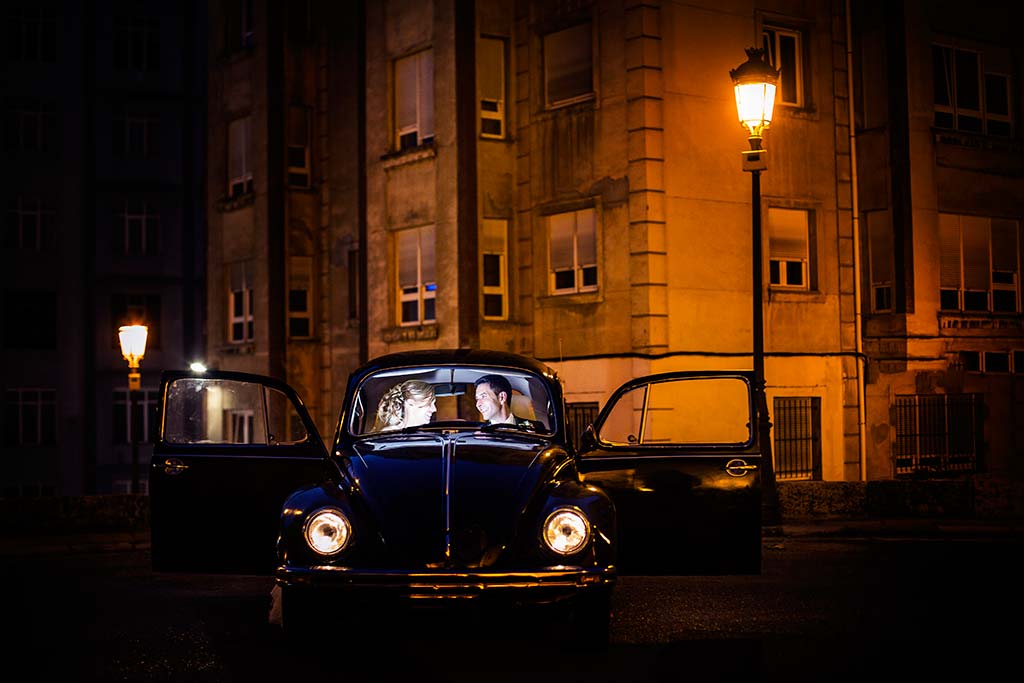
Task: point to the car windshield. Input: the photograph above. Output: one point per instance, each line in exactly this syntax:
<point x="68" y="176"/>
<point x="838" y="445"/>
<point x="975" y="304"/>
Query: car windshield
<point x="422" y="397"/>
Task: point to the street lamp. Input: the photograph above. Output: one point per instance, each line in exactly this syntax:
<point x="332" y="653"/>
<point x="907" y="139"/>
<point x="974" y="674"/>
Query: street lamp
<point x="133" y="348"/>
<point x="754" y="83"/>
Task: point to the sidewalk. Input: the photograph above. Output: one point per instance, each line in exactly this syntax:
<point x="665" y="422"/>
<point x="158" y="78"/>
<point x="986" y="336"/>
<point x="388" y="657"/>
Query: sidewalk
<point x="848" y="528"/>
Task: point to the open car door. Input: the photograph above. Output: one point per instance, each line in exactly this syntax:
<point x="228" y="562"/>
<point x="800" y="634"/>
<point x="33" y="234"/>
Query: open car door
<point x="678" y="453"/>
<point x="232" y="447"/>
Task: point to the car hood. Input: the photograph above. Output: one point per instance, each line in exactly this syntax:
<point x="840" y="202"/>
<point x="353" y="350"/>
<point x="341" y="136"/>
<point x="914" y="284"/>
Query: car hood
<point x="454" y="501"/>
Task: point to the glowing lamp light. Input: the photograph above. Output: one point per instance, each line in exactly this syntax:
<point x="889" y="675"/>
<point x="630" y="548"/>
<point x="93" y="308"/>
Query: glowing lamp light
<point x="754" y="82"/>
<point x="197" y="367"/>
<point x="133" y="343"/>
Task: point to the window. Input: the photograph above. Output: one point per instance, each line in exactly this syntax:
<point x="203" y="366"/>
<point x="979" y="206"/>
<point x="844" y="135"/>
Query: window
<point x="578" y="416"/>
<point x="240" y="425"/>
<point x="573" y="251"/>
<point x="239" y="157"/>
<point x="414" y="100"/>
<point x="788" y="248"/>
<point x="29" y="224"/>
<point x="137" y="43"/>
<point x="968" y="96"/>
<point x="31" y="33"/>
<point x="970" y="361"/>
<point x="491" y="87"/>
<point x="30" y="417"/>
<point x="979" y="264"/>
<point x="569" y="65"/>
<point x="417" y="288"/>
<point x="136" y="135"/>
<point x="997" y="362"/>
<point x="31" y="126"/>
<point x="880" y="255"/>
<point x="494" y="268"/>
<point x="937" y="434"/>
<point x="138" y="228"/>
<point x="784" y="49"/>
<point x="137" y="309"/>
<point x="238" y="25"/>
<point x="241" y="319"/>
<point x="144" y="419"/>
<point x="300" y="284"/>
<point x="796" y="430"/>
<point x="1018" y="362"/>
<point x="298" y="146"/>
<point x="31" y="319"/>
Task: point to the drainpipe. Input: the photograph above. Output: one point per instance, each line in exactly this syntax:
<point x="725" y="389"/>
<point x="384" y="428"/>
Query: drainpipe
<point x="855" y="211"/>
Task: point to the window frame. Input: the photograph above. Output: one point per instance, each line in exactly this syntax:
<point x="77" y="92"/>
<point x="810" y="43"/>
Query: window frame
<point x="300" y="279"/>
<point x="44" y="218"/>
<point x="499" y="229"/>
<point x="45" y="420"/>
<point x="244" y="295"/>
<point x="579" y="266"/>
<point x="498" y="113"/>
<point x="300" y="119"/>
<point x="961" y="290"/>
<point x="423" y="125"/>
<point x="146" y="401"/>
<point x="136" y="43"/>
<point x="239" y="183"/>
<point x="806" y="261"/>
<point x="423" y="292"/>
<point x="771" y="45"/>
<point x="953" y="108"/>
<point x="148" y="220"/>
<point x="549" y="102"/>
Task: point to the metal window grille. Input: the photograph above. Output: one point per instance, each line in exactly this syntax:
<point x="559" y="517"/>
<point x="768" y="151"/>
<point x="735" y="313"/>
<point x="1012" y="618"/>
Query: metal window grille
<point x="797" y="432"/>
<point x="578" y="416"/>
<point x="938" y="434"/>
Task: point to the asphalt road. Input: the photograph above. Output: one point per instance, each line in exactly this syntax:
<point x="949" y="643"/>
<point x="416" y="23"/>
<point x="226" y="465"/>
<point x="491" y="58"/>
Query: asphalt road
<point x="825" y="608"/>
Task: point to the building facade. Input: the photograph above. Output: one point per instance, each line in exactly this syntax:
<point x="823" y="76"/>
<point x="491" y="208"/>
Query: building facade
<point x="103" y="226"/>
<point x="563" y="180"/>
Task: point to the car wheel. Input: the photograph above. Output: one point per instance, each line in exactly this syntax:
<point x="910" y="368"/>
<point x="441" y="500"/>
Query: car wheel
<point x="590" y="621"/>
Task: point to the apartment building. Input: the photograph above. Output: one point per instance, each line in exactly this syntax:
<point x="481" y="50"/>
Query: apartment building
<point x="104" y="166"/>
<point x="564" y="180"/>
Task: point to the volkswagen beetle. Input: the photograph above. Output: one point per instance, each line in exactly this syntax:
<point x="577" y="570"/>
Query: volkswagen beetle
<point x="444" y="485"/>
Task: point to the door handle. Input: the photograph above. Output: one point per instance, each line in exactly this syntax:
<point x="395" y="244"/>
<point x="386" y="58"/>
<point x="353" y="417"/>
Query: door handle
<point x="173" y="467"/>
<point x="738" y="468"/>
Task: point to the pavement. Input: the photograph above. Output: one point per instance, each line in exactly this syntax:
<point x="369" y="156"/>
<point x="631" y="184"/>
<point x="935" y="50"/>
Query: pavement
<point x="806" y="529"/>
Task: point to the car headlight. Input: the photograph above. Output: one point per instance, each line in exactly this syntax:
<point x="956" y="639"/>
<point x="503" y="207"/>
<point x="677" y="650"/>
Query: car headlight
<point x="327" y="531"/>
<point x="566" y="531"/>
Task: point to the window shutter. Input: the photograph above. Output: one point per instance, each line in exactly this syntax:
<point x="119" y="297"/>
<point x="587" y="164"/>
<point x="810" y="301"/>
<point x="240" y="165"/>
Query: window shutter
<point x="880" y="247"/>
<point x="407" y="268"/>
<point x="949" y="245"/>
<point x="561" y="226"/>
<point x="975" y="245"/>
<point x="426" y="94"/>
<point x="1004" y="245"/>
<point x="787" y="234"/>
<point x="427" y="254"/>
<point x="586" y="237"/>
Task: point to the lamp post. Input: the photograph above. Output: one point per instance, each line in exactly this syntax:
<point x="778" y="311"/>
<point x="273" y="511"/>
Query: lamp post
<point x="133" y="348"/>
<point x="754" y="84"/>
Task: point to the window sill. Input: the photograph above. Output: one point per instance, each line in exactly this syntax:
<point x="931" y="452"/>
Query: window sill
<point x="411" y="333"/>
<point x="963" y="323"/>
<point x="573" y="299"/>
<point x="245" y="349"/>
<point x="226" y="204"/>
<point x="796" y="296"/>
<point x="409" y="156"/>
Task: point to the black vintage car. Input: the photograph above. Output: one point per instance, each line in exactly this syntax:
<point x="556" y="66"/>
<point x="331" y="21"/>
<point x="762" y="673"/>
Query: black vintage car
<point x="438" y="505"/>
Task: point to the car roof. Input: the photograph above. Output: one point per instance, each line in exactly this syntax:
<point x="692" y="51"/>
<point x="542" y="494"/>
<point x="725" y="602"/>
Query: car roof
<point x="483" y="357"/>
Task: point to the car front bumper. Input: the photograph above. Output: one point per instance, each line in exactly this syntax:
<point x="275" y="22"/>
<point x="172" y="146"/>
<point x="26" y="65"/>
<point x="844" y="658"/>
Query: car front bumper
<point x="548" y="585"/>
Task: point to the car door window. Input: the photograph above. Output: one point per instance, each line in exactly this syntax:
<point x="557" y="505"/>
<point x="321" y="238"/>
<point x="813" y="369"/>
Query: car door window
<point x="216" y="411"/>
<point x="694" y="411"/>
